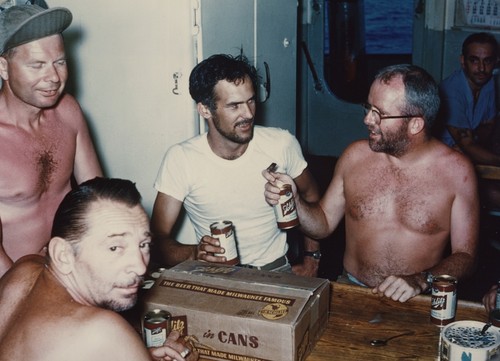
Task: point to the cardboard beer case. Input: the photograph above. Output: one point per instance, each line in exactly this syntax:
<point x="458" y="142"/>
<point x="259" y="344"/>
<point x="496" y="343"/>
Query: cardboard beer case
<point x="235" y="313"/>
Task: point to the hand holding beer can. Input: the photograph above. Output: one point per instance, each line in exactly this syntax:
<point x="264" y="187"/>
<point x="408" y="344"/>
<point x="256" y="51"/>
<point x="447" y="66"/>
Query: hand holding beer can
<point x="224" y="232"/>
<point x="156" y="326"/>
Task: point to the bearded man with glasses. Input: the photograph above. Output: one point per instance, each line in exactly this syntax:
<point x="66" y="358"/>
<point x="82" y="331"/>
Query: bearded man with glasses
<point x="404" y="194"/>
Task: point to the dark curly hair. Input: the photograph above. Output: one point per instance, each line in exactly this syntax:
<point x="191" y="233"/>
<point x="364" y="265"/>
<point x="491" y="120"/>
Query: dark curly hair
<point x="218" y="67"/>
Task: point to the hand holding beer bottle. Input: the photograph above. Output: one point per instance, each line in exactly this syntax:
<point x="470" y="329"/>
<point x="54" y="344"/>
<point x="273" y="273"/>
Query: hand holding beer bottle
<point x="284" y="207"/>
<point x="491" y="299"/>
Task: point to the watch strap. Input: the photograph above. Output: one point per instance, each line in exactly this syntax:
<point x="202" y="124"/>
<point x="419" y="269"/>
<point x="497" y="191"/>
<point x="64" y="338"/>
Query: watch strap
<point x="313" y="254"/>
<point x="429" y="278"/>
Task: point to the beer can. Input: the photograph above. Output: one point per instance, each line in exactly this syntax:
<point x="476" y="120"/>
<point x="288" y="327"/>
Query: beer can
<point x="286" y="210"/>
<point x="224" y="232"/>
<point x="156" y="327"/>
<point x="443" y="300"/>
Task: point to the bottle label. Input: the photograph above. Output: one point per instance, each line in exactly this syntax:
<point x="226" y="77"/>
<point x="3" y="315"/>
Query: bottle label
<point x="285" y="210"/>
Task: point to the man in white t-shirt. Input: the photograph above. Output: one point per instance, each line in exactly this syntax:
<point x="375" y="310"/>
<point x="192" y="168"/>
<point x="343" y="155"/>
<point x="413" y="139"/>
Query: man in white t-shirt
<point x="217" y="175"/>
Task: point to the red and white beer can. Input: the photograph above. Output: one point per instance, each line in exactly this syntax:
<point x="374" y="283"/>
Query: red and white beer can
<point x="156" y="326"/>
<point x="443" y="300"/>
<point x="224" y="232"/>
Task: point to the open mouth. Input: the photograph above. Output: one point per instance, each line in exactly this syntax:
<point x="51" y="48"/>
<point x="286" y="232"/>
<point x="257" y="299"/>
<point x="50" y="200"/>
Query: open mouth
<point x="49" y="93"/>
<point x="244" y="124"/>
<point x="131" y="289"/>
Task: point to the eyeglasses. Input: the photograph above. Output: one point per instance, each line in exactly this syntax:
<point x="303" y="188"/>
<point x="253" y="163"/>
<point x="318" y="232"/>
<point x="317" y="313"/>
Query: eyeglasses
<point x="379" y="117"/>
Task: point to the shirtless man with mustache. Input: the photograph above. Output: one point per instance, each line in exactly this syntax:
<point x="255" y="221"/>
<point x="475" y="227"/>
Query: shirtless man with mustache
<point x="403" y="193"/>
<point x="64" y="306"/>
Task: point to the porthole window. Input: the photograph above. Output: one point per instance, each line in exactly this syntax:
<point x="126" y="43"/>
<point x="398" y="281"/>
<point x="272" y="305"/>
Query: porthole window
<point x="361" y="37"/>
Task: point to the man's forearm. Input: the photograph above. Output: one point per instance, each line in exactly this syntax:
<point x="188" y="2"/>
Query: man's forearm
<point x="459" y="265"/>
<point x="173" y="252"/>
<point x="312" y="219"/>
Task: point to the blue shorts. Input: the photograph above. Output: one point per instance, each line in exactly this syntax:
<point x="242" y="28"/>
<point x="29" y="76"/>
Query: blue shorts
<point x="348" y="278"/>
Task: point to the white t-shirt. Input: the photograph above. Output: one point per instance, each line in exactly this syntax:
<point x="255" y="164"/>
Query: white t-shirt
<point x="214" y="189"/>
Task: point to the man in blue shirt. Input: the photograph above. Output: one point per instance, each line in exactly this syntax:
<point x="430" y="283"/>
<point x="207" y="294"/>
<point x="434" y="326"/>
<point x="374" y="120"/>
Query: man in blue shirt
<point x="468" y="106"/>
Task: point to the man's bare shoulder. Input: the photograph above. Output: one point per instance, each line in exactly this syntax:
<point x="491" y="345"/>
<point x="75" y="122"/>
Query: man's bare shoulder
<point x="85" y="333"/>
<point x="68" y="101"/>
<point x="358" y="146"/>
<point x="450" y="161"/>
<point x="95" y="321"/>
<point x="22" y="275"/>
<point x="102" y="335"/>
<point x="105" y="328"/>
<point x="357" y="151"/>
<point x="67" y="109"/>
<point x="15" y="287"/>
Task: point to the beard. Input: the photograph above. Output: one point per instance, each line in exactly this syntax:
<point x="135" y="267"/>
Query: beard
<point x="395" y="143"/>
<point x="119" y="305"/>
<point x="233" y="135"/>
<point x="126" y="302"/>
<point x="106" y="298"/>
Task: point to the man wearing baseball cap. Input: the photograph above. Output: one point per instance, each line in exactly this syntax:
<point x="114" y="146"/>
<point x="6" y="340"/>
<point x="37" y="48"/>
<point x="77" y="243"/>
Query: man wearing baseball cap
<point x="45" y="144"/>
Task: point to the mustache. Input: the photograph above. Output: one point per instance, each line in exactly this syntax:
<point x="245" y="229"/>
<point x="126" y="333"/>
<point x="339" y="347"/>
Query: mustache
<point x="136" y="281"/>
<point x="374" y="130"/>
<point x="244" y="121"/>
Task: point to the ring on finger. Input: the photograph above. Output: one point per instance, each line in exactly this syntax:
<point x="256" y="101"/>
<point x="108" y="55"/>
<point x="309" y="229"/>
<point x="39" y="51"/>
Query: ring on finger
<point x="185" y="352"/>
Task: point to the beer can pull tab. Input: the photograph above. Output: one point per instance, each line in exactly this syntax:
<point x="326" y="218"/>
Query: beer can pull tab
<point x="272" y="168"/>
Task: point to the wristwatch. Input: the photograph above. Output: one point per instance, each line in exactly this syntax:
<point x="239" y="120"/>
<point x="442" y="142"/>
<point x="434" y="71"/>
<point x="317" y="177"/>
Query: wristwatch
<point x="429" y="278"/>
<point x="313" y="254"/>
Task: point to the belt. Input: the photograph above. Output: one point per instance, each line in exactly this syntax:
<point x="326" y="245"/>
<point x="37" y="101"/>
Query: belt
<point x="270" y="266"/>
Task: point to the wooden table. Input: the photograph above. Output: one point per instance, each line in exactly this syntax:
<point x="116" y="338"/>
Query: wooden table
<point x="357" y="316"/>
